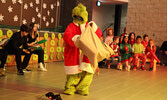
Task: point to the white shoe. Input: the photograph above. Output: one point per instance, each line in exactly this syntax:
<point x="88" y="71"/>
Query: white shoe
<point x="41" y="67"/>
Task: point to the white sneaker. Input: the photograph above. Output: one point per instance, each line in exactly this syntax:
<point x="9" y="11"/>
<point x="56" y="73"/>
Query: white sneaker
<point x="41" y="67"/>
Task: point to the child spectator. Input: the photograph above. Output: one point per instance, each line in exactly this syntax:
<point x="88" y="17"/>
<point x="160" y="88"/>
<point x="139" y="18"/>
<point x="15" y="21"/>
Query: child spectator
<point x="125" y="50"/>
<point x="150" y="53"/>
<point x="109" y="36"/>
<point x="138" y="50"/>
<point x="121" y="38"/>
<point x="132" y="38"/>
<point x="115" y="47"/>
<point x="145" y="40"/>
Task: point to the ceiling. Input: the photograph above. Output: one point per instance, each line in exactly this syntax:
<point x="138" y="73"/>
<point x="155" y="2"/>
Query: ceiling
<point x="113" y="1"/>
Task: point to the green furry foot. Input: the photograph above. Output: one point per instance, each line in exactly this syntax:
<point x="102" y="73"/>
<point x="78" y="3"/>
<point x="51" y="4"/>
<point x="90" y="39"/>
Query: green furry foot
<point x="84" y="93"/>
<point x="68" y="92"/>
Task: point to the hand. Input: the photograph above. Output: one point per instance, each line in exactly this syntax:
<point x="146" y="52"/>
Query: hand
<point x="26" y="51"/>
<point x="125" y="48"/>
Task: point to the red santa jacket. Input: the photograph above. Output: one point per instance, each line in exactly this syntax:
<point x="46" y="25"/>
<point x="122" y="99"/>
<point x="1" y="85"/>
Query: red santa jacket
<point x="71" y="52"/>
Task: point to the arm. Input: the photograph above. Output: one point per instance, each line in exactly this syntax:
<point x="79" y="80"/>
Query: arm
<point x="14" y="40"/>
<point x="68" y="35"/>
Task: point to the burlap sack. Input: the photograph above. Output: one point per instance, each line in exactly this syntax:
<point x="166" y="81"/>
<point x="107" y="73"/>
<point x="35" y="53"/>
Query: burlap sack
<point x="92" y="47"/>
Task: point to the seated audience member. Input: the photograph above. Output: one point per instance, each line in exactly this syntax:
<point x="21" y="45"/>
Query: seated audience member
<point x="115" y="47"/>
<point x="138" y="50"/>
<point x="121" y="38"/>
<point x="150" y="53"/>
<point x="109" y="36"/>
<point x="132" y="38"/>
<point x="163" y="53"/>
<point x="32" y="37"/>
<point x="126" y="50"/>
<point x="13" y="47"/>
<point x="145" y="40"/>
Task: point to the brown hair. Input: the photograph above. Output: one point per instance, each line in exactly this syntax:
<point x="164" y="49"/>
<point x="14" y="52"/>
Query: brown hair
<point x="115" y="38"/>
<point x="107" y="32"/>
<point x="149" y="44"/>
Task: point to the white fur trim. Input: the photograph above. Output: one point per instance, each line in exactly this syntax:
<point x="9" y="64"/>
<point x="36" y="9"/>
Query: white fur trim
<point x="94" y="25"/>
<point x="75" y="38"/>
<point x="82" y="27"/>
<point x="72" y="69"/>
<point x="86" y="67"/>
<point x="76" y="24"/>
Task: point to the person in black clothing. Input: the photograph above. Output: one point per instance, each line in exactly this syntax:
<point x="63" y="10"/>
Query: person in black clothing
<point x="13" y="47"/>
<point x="163" y="53"/>
<point x="32" y="38"/>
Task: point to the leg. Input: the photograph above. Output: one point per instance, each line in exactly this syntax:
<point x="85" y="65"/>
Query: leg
<point x="109" y="64"/>
<point x="26" y="60"/>
<point x="127" y="67"/>
<point x="3" y="60"/>
<point x="40" y="54"/>
<point x="70" y="85"/>
<point x="143" y="59"/>
<point x="85" y="81"/>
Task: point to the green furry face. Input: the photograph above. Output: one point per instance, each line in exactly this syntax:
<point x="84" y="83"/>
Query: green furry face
<point x="79" y="14"/>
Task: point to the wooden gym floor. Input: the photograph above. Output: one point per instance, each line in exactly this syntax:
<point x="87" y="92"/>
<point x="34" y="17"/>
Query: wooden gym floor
<point x="111" y="84"/>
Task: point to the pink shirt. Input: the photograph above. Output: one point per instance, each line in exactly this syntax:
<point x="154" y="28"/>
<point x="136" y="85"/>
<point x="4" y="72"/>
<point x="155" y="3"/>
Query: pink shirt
<point x="109" y="40"/>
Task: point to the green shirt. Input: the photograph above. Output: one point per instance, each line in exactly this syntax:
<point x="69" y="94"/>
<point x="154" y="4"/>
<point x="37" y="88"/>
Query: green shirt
<point x="138" y="48"/>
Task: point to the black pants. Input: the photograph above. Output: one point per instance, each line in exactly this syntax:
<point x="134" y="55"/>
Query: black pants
<point x="20" y="65"/>
<point x="40" y="54"/>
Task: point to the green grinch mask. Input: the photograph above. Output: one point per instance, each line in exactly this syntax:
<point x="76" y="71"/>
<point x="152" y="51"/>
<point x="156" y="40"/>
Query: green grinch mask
<point x="79" y="14"/>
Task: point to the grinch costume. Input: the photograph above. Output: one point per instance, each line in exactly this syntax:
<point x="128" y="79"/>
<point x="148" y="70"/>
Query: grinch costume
<point x="78" y="69"/>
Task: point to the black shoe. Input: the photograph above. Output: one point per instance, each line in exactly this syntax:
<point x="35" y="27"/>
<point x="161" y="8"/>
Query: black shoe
<point x="150" y="69"/>
<point x="20" y="72"/>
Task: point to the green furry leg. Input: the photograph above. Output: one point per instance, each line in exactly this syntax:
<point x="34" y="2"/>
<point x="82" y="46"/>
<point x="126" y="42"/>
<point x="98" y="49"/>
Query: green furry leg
<point x="83" y="86"/>
<point x="71" y="83"/>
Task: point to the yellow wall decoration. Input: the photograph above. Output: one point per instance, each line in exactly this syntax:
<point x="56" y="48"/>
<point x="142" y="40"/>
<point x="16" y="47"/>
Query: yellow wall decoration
<point x="52" y="49"/>
<point x="63" y="49"/>
<point x="45" y="50"/>
<point x="35" y="57"/>
<point x="58" y="49"/>
<point x="51" y="56"/>
<point x="52" y="42"/>
<point x="9" y="59"/>
<point x="59" y="36"/>
<point x="46" y="57"/>
<point x="1" y="33"/>
<point x="53" y="35"/>
<point x="58" y="56"/>
<point x="46" y="35"/>
<point x="9" y="33"/>
<point x="58" y="43"/>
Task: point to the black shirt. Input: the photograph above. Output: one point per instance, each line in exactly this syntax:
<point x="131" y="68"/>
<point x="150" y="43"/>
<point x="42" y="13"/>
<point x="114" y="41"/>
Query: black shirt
<point x="164" y="46"/>
<point x="30" y="39"/>
<point x="16" y="41"/>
